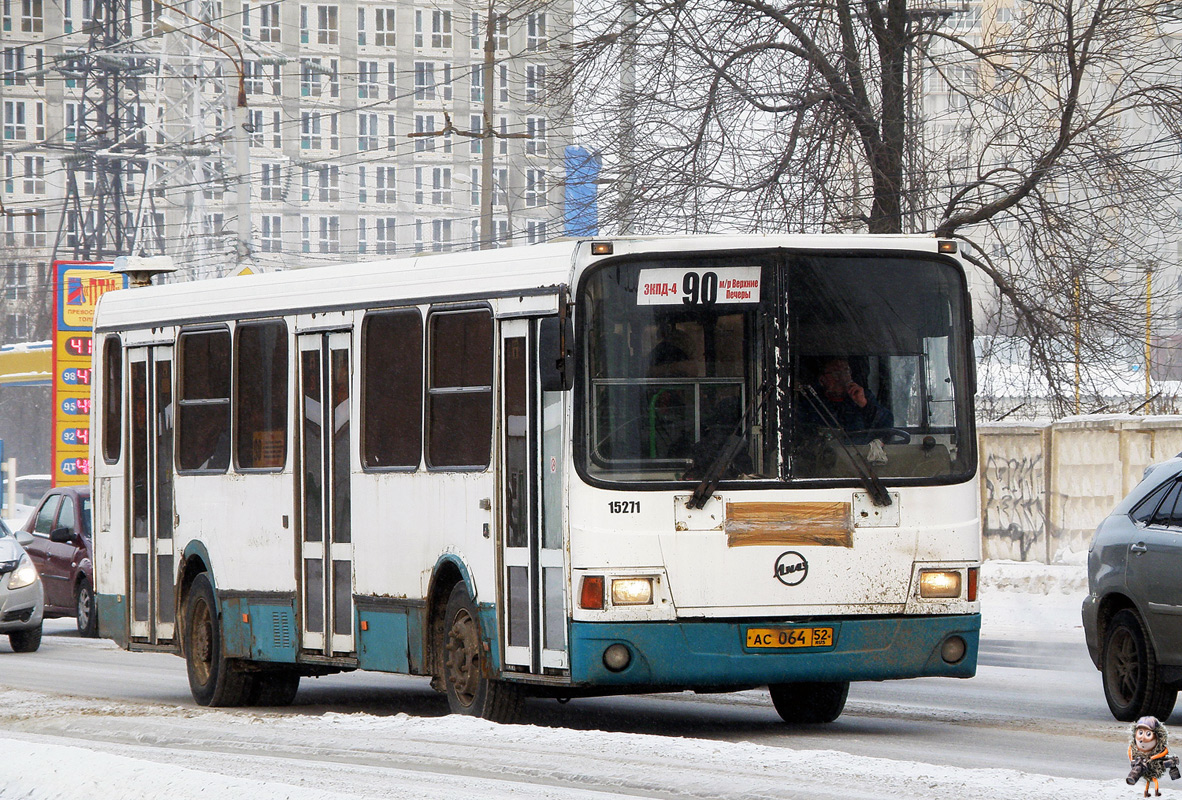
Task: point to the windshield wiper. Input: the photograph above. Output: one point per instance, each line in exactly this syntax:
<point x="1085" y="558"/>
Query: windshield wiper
<point x="726" y="455"/>
<point x="878" y="493"/>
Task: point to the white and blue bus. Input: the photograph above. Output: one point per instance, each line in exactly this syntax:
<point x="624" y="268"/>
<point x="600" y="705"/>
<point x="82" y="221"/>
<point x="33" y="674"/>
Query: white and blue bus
<point x="580" y="468"/>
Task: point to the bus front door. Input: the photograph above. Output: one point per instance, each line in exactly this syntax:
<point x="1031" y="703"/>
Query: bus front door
<point x="533" y="576"/>
<point x="152" y="568"/>
<point x="325" y="540"/>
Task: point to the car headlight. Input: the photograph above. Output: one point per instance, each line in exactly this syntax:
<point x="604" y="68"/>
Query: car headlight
<point x="24" y="575"/>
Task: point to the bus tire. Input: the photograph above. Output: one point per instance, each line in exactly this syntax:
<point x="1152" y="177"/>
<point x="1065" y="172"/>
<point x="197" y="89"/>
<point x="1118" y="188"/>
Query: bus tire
<point x="213" y="680"/>
<point x="466" y="680"/>
<point x="809" y="703"/>
<point x="276" y="688"/>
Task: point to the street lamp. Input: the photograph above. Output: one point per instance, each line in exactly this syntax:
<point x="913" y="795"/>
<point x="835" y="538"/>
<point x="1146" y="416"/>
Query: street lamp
<point x="241" y="117"/>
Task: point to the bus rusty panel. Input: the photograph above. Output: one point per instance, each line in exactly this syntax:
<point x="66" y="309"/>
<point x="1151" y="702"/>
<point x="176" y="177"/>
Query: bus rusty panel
<point x="823" y="524"/>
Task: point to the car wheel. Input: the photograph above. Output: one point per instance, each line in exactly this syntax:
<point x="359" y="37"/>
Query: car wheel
<point x="1132" y="682"/>
<point x="25" y="641"/>
<point x="213" y="679"/>
<point x="84" y="610"/>
<point x="465" y="669"/>
<point x="809" y="703"/>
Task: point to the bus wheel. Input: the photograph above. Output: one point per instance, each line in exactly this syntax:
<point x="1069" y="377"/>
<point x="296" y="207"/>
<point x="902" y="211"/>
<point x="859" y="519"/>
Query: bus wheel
<point x="469" y="689"/>
<point x="212" y="679"/>
<point x="274" y="688"/>
<point x="809" y="703"/>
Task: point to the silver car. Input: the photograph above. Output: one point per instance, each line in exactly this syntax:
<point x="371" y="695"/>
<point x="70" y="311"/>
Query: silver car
<point x="1132" y="617"/>
<point x="22" y="600"/>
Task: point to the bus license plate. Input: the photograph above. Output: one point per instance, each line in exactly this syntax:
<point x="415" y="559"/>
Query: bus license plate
<point x="789" y="637"/>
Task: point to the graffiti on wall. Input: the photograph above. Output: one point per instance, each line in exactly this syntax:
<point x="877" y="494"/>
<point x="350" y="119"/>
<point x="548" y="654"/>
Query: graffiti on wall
<point x="1015" y="507"/>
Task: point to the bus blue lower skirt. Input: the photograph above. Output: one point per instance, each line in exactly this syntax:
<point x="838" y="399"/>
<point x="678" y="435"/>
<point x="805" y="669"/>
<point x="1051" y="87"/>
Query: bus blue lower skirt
<point x="716" y="654"/>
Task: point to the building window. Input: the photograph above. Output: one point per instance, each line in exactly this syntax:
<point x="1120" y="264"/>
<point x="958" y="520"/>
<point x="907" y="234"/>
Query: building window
<point x="327" y="26"/>
<point x="34" y="175"/>
<point x="310" y="72"/>
<point x="459" y="389"/>
<point x="328" y="181"/>
<point x="306" y="234"/>
<point x="474" y="199"/>
<point x="14" y="120"/>
<point x="367" y="80"/>
<point x="440" y="234"/>
<point x="367" y="131"/>
<point x="419" y="194"/>
<point x="272" y="233"/>
<point x="476" y="126"/>
<point x="391" y="139"/>
<point x="203" y="406"/>
<point x="500" y="187"/>
<point x="535" y="188"/>
<point x="535" y="128"/>
<point x="535" y="79"/>
<point x="385" y="188"/>
<point x="424" y="80"/>
<point x="303" y="24"/>
<point x="441" y="186"/>
<point x="32" y="18"/>
<point x="256" y="127"/>
<point x="424" y="123"/>
<point x="392" y="367"/>
<point x="246" y="20"/>
<point x="361" y="189"/>
<point x="441" y="30"/>
<point x="310" y="137"/>
<point x="260" y="396"/>
<point x="535" y="231"/>
<point x="361" y="27"/>
<point x="272" y="184"/>
<point x="276" y="130"/>
<point x="535" y="31"/>
<point x="384" y="27"/>
<point x="385" y="236"/>
<point x="253" y="73"/>
<point x="14" y="65"/>
<point x="330" y="234"/>
<point x="477" y="93"/>
<point x="269" y="22"/>
<point x="362" y="235"/>
<point x="391" y="81"/>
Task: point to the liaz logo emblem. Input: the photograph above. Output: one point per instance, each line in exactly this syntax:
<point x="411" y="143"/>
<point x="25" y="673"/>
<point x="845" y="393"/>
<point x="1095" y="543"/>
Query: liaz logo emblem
<point x="791" y="568"/>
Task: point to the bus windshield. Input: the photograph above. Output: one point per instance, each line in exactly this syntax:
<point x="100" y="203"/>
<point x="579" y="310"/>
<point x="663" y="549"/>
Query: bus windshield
<point x="798" y="367"/>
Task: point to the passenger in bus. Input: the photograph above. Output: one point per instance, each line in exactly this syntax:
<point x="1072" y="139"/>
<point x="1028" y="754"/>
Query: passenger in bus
<point x="667" y="431"/>
<point x="843" y="400"/>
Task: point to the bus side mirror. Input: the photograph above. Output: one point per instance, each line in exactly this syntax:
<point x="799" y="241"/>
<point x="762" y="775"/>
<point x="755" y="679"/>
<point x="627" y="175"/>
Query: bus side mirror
<point x="555" y="351"/>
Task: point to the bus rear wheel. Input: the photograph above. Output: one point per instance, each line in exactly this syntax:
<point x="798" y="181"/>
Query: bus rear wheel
<point x="213" y="679"/>
<point x="466" y="680"/>
<point x="809" y="703"/>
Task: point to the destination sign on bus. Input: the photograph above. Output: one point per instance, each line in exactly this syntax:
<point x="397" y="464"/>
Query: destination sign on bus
<point x="668" y="287"/>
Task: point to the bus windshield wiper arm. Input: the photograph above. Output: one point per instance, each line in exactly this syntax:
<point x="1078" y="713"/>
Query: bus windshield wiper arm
<point x="726" y="455"/>
<point x="861" y="464"/>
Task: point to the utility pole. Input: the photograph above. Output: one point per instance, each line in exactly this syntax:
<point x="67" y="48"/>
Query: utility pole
<point x="487" y="135"/>
<point x="109" y="145"/>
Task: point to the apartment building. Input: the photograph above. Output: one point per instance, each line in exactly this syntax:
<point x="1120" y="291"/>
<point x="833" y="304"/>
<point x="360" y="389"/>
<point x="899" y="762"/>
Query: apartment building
<point x="334" y="92"/>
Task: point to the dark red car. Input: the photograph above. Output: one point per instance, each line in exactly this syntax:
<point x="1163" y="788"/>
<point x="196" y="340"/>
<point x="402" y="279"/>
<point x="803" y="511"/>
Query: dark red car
<point x="64" y="555"/>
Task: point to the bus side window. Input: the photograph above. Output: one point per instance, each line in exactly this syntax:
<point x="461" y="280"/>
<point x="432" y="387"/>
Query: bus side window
<point x="203" y="423"/>
<point x="459" y="389"/>
<point x="112" y="397"/>
<point x="392" y="389"/>
<point x="260" y="397"/>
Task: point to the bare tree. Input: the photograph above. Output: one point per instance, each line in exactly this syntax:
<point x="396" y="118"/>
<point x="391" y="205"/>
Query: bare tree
<point x="1042" y="132"/>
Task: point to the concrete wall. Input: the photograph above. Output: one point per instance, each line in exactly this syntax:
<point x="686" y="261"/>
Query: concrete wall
<point x="1045" y="486"/>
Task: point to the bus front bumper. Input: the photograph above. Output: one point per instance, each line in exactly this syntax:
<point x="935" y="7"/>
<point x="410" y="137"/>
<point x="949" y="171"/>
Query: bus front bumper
<point x="709" y="654"/>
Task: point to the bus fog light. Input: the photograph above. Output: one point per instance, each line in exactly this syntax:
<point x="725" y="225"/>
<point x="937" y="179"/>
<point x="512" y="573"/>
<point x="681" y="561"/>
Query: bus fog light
<point x="617" y="657"/>
<point x="632" y="591"/>
<point x="939" y="583"/>
<point x="953" y="649"/>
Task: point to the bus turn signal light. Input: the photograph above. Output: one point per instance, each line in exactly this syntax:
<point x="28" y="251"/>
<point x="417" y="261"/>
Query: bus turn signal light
<point x="972" y="593"/>
<point x="939" y="583"/>
<point x="592" y="594"/>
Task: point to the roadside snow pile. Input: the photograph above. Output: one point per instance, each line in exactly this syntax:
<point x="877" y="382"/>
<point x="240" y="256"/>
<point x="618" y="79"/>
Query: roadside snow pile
<point x="1019" y="596"/>
<point x="1033" y="577"/>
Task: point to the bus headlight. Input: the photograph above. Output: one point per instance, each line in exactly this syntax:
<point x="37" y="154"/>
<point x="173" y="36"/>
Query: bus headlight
<point x="939" y="583"/>
<point x="24" y="574"/>
<point x="632" y="591"/>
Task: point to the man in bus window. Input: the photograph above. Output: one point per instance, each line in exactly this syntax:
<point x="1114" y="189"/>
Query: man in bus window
<point x="843" y="400"/>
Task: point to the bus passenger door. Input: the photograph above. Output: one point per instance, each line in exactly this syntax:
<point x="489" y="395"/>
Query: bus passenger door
<point x="325" y="546"/>
<point x="533" y="577"/>
<point x="152" y="571"/>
